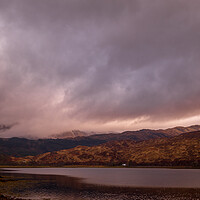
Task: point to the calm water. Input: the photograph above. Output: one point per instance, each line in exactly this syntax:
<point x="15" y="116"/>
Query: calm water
<point x="103" y="183"/>
<point x="132" y="177"/>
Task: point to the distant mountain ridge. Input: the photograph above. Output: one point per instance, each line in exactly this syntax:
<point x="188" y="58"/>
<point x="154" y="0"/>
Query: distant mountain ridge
<point x="146" y="134"/>
<point x="27" y="147"/>
<point x="179" y="150"/>
<point x="69" y="134"/>
<point x="180" y="129"/>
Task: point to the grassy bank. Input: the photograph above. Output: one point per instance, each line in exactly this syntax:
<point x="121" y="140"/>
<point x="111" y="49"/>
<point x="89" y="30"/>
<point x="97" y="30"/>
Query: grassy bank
<point x="98" y="166"/>
<point x="11" y="186"/>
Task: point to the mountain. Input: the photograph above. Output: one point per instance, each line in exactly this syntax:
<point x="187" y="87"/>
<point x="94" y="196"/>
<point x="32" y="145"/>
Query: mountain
<point x="24" y="147"/>
<point x="183" y="150"/>
<point x="69" y="134"/>
<point x="146" y="134"/>
<point x="179" y="130"/>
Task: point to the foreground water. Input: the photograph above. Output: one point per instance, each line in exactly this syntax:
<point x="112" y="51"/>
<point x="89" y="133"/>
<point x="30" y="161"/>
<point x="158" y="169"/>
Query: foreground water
<point x="110" y="183"/>
<point x="134" y="177"/>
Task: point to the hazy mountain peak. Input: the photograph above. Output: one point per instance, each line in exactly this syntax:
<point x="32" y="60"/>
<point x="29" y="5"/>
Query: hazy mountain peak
<point x="69" y="134"/>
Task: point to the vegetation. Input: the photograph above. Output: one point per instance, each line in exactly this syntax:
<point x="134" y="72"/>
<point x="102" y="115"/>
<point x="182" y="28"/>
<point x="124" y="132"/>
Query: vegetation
<point x="10" y="186"/>
<point x="25" y="147"/>
<point x="182" y="150"/>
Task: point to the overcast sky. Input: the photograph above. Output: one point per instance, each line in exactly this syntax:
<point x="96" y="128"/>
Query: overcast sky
<point x="98" y="65"/>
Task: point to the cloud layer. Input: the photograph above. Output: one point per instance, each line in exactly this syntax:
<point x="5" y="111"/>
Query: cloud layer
<point x="98" y="65"/>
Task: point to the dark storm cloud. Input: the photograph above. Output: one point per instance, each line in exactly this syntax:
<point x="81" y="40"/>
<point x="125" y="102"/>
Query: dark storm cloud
<point x="4" y="127"/>
<point x="73" y="62"/>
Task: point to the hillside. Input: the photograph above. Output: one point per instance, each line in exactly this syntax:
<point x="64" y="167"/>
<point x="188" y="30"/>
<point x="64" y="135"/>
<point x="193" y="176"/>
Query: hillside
<point x="28" y="147"/>
<point x="146" y="134"/>
<point x="178" y="150"/>
<point x="24" y="147"/>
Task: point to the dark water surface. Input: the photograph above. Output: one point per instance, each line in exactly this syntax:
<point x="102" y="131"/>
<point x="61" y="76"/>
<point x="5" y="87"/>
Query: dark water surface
<point x="110" y="183"/>
<point x="133" y="177"/>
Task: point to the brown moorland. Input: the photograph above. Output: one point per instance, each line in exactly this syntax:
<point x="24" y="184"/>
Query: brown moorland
<point x="181" y="150"/>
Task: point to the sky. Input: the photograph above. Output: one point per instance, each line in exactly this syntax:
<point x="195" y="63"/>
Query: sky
<point x="98" y="65"/>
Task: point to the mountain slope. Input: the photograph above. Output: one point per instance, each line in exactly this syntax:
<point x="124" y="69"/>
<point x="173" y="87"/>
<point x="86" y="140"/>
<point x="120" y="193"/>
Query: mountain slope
<point x="146" y="134"/>
<point x="179" y="150"/>
<point x="25" y="147"/>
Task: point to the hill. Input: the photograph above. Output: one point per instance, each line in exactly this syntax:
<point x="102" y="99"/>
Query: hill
<point x="27" y="147"/>
<point x="146" y="134"/>
<point x="178" y="150"/>
<point x="24" y="147"/>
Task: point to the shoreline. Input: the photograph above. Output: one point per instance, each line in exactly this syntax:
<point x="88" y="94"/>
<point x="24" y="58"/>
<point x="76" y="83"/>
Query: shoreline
<point x="28" y="183"/>
<point x="98" y="166"/>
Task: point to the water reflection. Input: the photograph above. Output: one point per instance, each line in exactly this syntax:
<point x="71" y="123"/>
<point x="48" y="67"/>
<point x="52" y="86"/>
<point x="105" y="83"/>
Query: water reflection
<point x="70" y="188"/>
<point x="133" y="177"/>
